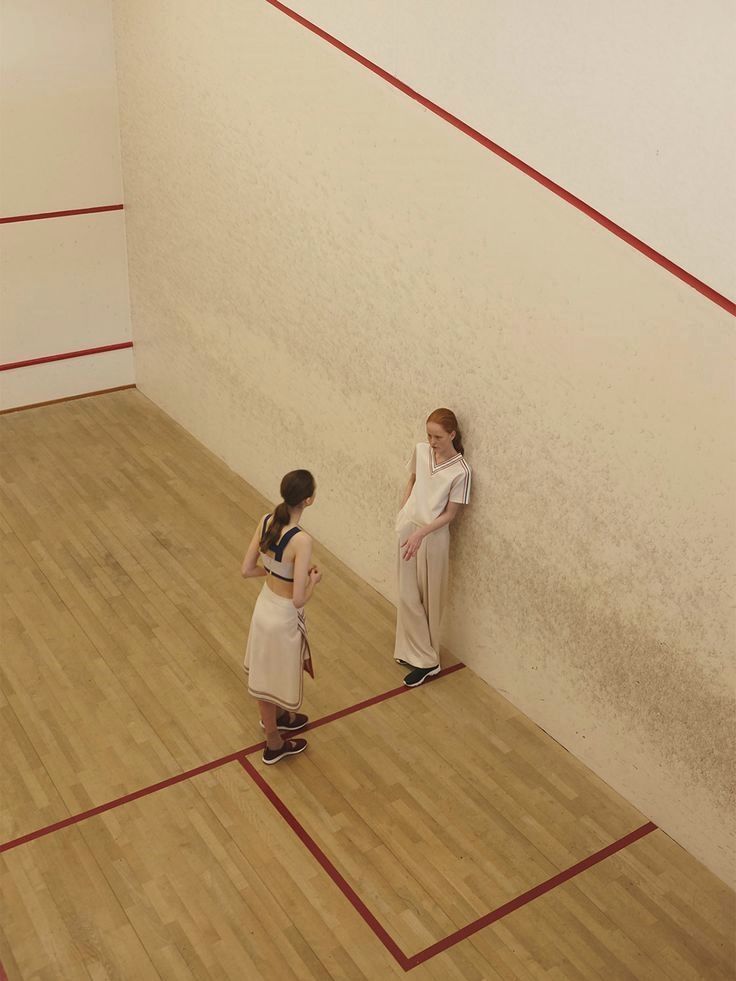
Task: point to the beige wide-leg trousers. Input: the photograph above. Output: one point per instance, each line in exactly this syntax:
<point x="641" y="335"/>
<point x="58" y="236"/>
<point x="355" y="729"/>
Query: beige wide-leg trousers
<point x="422" y="594"/>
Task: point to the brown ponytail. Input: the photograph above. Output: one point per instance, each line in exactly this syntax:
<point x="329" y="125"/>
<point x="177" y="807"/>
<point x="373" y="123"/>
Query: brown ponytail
<point x="448" y="420"/>
<point x="295" y="488"/>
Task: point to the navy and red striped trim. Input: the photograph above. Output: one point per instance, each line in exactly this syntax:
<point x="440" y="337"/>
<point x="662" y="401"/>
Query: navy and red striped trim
<point x="442" y="466"/>
<point x="453" y="462"/>
<point x="466" y="481"/>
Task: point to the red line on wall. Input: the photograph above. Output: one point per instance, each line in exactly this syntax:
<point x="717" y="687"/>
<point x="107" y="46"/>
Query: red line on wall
<point x="530" y="895"/>
<point x="62" y="214"/>
<point x="345" y="888"/>
<point x="63" y="357"/>
<point x="722" y="301"/>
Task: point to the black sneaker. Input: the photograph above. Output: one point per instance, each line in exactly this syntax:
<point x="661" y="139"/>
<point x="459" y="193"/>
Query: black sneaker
<point x="290" y="748"/>
<point x="418" y="675"/>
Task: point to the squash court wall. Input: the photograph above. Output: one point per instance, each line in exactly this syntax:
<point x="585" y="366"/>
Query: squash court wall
<point x="63" y="279"/>
<point x="316" y="261"/>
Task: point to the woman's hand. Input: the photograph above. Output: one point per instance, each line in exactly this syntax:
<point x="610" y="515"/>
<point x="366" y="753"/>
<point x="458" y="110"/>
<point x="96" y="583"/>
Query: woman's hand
<point x="314" y="575"/>
<point x="412" y="543"/>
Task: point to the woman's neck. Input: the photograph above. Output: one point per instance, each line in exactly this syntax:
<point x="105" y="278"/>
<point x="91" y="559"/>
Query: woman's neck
<point x="295" y="515"/>
<point x="448" y="456"/>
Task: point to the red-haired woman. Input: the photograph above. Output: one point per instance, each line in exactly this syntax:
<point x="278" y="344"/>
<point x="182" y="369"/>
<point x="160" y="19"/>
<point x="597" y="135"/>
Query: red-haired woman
<point x="278" y="652"/>
<point x="438" y="486"/>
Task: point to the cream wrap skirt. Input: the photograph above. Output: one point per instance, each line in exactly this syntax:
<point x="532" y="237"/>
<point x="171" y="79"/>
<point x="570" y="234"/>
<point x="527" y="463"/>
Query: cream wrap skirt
<point x="277" y="653"/>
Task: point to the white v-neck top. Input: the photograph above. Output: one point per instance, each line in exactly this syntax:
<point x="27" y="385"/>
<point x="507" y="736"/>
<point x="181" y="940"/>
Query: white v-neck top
<point x="435" y="486"/>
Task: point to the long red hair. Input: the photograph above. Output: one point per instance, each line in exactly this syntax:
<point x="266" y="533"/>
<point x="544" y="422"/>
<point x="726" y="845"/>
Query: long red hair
<point x="448" y="420"/>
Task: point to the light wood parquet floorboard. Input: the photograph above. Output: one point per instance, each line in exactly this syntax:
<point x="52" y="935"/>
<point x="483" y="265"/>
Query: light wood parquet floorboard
<point x="123" y="629"/>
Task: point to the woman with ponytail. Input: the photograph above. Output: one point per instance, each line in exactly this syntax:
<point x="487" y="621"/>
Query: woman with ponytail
<point x="438" y="486"/>
<point x="277" y="653"/>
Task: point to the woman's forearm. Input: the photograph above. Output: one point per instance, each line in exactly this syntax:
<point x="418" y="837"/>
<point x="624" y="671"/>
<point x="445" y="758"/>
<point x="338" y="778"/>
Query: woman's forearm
<point x="300" y="601"/>
<point x="444" y="519"/>
<point x="255" y="573"/>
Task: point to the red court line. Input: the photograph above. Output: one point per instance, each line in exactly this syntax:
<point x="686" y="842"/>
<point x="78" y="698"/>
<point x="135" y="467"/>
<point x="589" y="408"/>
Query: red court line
<point x="530" y="895"/>
<point x="409" y="962"/>
<point x="10" y="365"/>
<point x="525" y="168"/>
<point x="62" y="214"/>
<point x="406" y="962"/>
<point x="241" y="756"/>
<point x="345" y="888"/>
<point x="401" y="690"/>
<point x="3" y="975"/>
<point x="101" y="808"/>
<point x="203" y="768"/>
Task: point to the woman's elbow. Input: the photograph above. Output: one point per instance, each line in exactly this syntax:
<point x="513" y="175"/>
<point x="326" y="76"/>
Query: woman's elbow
<point x="298" y="599"/>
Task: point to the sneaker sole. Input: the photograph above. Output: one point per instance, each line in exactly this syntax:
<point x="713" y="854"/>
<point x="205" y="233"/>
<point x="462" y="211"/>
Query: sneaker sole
<point x="289" y="728"/>
<point x="290" y="752"/>
<point x="430" y="674"/>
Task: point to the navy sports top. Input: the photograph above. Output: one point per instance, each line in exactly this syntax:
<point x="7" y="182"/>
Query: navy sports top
<point x="274" y="565"/>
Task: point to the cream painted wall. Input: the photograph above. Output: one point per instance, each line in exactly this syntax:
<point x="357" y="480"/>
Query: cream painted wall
<point x="316" y="262"/>
<point x="630" y="106"/>
<point x="63" y="281"/>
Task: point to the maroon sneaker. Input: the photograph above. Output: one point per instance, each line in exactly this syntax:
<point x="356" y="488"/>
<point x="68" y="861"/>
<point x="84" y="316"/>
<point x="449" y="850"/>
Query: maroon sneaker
<point x="290" y="748"/>
<point x="298" y="722"/>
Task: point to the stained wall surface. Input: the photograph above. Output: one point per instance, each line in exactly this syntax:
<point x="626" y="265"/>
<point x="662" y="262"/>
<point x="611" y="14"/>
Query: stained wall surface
<point x="63" y="280"/>
<point x="316" y="262"/>
<point x="626" y="105"/>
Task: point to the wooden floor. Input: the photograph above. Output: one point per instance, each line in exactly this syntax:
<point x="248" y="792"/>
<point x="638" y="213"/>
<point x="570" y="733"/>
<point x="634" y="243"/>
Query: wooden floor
<point x="124" y="620"/>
